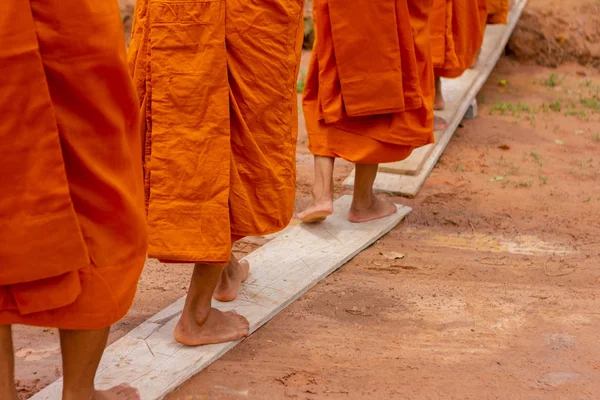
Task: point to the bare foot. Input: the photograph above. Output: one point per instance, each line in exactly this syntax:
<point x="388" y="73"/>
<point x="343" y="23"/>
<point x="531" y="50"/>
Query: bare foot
<point x="381" y="207"/>
<point x="219" y="327"/>
<point x="316" y="212"/>
<point x="121" y="392"/>
<point x="439" y="123"/>
<point x="232" y="277"/>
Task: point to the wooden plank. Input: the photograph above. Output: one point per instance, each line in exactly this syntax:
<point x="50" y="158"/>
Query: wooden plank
<point x="412" y="164"/>
<point x="458" y="94"/>
<point x="282" y="270"/>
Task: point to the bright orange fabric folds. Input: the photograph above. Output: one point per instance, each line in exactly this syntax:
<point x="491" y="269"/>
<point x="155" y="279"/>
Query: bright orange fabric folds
<point x="217" y="84"/>
<point x="369" y="90"/>
<point x="457" y="34"/>
<point x="72" y="237"/>
<point x="497" y="11"/>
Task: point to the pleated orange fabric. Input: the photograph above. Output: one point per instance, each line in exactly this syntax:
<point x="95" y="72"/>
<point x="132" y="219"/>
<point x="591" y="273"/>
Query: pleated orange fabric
<point x="217" y="83"/>
<point x="497" y="11"/>
<point x="443" y="53"/>
<point x="73" y="237"/>
<point x="369" y="90"/>
<point x="463" y="37"/>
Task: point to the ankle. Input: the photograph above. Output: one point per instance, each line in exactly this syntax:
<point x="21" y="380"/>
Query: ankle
<point x="78" y="393"/>
<point x="362" y="202"/>
<point x="322" y="197"/>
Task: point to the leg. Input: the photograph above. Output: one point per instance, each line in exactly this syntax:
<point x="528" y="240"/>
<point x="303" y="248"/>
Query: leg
<point x="439" y="123"/>
<point x="81" y="353"/>
<point x="438" y="103"/>
<point x="231" y="279"/>
<point x="199" y="323"/>
<point x="366" y="206"/>
<point x="476" y="60"/>
<point x="322" y="204"/>
<point x="7" y="364"/>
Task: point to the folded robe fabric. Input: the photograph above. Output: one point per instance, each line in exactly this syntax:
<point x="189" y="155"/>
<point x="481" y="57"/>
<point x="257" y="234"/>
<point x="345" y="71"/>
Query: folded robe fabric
<point x="217" y="85"/>
<point x="369" y="90"/>
<point x="497" y="11"/>
<point x="72" y="228"/>
<point x="457" y="29"/>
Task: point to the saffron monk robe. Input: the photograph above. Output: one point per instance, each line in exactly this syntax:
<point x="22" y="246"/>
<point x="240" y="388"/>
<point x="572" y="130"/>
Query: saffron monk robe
<point x="368" y="97"/>
<point x="217" y="84"/>
<point x="494" y="12"/>
<point x="73" y="238"/>
<point x="497" y="11"/>
<point x="456" y="37"/>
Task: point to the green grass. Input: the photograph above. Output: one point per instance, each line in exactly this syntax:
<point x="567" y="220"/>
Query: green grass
<point x="555" y="106"/>
<point x="590" y="102"/>
<point x="553" y="81"/>
<point x="524" y="184"/>
<point x="537" y="158"/>
<point x="572" y="112"/>
<point x="543" y="180"/>
<point x="504" y="107"/>
<point x="596" y="137"/>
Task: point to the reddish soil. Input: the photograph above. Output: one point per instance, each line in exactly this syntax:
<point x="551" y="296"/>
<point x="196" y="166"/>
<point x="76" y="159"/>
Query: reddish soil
<point x="496" y="296"/>
<point x="551" y="32"/>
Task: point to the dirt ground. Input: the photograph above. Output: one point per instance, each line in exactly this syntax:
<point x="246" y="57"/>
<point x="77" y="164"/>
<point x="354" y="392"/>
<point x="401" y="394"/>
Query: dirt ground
<point x="496" y="297"/>
<point x="551" y="32"/>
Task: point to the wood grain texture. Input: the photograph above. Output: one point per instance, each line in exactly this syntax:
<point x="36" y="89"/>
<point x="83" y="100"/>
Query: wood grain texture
<point x="281" y="271"/>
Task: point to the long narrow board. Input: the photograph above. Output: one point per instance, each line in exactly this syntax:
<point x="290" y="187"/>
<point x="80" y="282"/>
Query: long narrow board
<point x="412" y="165"/>
<point x="281" y="271"/>
<point x="459" y="94"/>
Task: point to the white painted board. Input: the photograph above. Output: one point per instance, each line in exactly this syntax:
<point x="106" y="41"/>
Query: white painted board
<point x="281" y="271"/>
<point x="458" y="94"/>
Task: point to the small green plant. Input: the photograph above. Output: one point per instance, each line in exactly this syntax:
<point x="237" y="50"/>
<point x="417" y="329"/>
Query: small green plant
<point x="504" y="107"/>
<point x="543" y="180"/>
<point x="498" y="179"/>
<point x="524" y="184"/>
<point x="552" y="81"/>
<point x="458" y="168"/>
<point x="577" y="113"/>
<point x="597" y="137"/>
<point x="555" y="106"/>
<point x="590" y="102"/>
<point x="537" y="158"/>
<point x="587" y="200"/>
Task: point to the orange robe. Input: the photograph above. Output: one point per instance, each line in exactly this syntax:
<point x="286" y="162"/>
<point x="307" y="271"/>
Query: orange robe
<point x="369" y="90"/>
<point x="456" y="35"/>
<point x="497" y="11"/>
<point x="72" y="237"/>
<point x="217" y="83"/>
